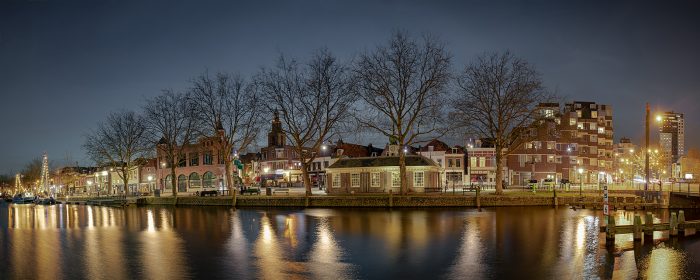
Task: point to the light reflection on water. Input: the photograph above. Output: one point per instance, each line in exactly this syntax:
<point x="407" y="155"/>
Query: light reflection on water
<point x="87" y="242"/>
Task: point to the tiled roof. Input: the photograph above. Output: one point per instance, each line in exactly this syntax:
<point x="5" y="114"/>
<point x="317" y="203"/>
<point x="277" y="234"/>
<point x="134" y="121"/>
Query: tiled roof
<point x="381" y="161"/>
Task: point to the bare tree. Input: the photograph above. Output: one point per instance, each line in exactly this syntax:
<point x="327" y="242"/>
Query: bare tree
<point x="169" y="119"/>
<point x="313" y="100"/>
<point x="497" y="96"/>
<point x="224" y="107"/>
<point x="402" y="86"/>
<point x="118" y="142"/>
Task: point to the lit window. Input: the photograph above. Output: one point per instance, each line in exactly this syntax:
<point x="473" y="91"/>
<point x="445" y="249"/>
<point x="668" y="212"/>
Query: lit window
<point x="375" y="180"/>
<point x="395" y="179"/>
<point x="572" y="121"/>
<point x="601" y="130"/>
<point x="355" y="180"/>
<point x="418" y="179"/>
<point x="336" y="180"/>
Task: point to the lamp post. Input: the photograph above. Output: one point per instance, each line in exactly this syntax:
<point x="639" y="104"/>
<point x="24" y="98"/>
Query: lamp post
<point x="580" y="188"/>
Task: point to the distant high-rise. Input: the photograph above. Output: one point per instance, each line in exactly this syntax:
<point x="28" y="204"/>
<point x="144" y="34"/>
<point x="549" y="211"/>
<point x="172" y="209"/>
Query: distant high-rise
<point x="672" y="135"/>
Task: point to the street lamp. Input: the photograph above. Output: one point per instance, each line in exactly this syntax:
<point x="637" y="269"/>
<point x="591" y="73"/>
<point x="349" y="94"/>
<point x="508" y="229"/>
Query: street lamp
<point x="580" y="188"/>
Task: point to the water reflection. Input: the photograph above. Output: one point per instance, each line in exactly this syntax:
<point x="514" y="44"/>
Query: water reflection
<point x="87" y="242"/>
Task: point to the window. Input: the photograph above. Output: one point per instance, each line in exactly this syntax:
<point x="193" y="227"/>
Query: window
<point x="374" y="180"/>
<point x="572" y="160"/>
<point x="550" y="145"/>
<point x="208" y="158"/>
<point x="473" y="161"/>
<point x="579" y="126"/>
<point x="325" y="164"/>
<point x="279" y="153"/>
<point x="336" y="180"/>
<point x="578" y="113"/>
<point x="482" y="161"/>
<point x="457" y="162"/>
<point x="355" y="180"/>
<point x="181" y="160"/>
<point x="594" y="126"/>
<point x="550" y="159"/>
<point x="594" y="114"/>
<point x="572" y="121"/>
<point x="450" y="162"/>
<point x="418" y="179"/>
<point x="222" y="157"/>
<point x="194" y="159"/>
<point x="601" y="130"/>
<point x="395" y="179"/>
<point x="439" y="162"/>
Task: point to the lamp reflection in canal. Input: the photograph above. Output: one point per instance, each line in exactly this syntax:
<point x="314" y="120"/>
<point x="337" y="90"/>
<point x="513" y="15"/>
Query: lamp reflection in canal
<point x="326" y="255"/>
<point x="238" y="248"/>
<point x="162" y="252"/>
<point x="471" y="251"/>
<point x="271" y="263"/>
<point x="104" y="256"/>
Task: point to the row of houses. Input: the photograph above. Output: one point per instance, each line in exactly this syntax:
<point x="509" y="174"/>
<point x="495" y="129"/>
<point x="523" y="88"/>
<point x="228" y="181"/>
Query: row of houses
<point x="573" y="142"/>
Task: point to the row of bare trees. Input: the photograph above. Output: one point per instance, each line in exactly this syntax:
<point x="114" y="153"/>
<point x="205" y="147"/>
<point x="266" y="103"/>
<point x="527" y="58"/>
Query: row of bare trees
<point x="403" y="90"/>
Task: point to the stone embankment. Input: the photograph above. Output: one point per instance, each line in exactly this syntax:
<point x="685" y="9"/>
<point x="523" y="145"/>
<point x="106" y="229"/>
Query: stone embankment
<point x="389" y="201"/>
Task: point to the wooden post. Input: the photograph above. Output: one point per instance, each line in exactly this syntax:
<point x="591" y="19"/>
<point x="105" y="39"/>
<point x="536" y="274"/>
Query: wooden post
<point x="673" y="230"/>
<point x="478" y="197"/>
<point x="391" y="199"/>
<point x="649" y="225"/>
<point x="637" y="235"/>
<point x="556" y="203"/>
<point x="681" y="223"/>
<point x="610" y="230"/>
<point x="234" y="197"/>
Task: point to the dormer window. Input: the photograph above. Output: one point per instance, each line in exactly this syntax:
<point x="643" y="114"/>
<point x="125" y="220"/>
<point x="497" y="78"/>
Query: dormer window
<point x="374" y="154"/>
<point x="454" y="150"/>
<point x="340" y="152"/>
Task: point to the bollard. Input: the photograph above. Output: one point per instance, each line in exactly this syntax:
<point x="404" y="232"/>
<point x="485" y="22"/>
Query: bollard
<point x="681" y="223"/>
<point x="649" y="225"/>
<point x="610" y="230"/>
<point x="556" y="203"/>
<point x="637" y="234"/>
<point x="673" y="229"/>
<point x="391" y="199"/>
<point x="478" y="197"/>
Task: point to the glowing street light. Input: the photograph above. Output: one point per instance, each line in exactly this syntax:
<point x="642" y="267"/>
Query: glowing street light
<point x="580" y="188"/>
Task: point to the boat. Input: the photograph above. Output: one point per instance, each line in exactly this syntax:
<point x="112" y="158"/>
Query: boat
<point x="45" y="201"/>
<point x="23" y="198"/>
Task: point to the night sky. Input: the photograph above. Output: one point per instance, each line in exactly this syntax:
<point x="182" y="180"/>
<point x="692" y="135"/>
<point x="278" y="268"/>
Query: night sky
<point x="65" y="64"/>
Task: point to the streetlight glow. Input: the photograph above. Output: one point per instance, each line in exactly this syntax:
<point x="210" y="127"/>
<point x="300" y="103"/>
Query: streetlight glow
<point x="580" y="171"/>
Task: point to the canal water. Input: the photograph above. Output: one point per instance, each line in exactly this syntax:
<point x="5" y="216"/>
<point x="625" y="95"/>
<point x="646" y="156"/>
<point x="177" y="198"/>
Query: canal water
<point x="90" y="242"/>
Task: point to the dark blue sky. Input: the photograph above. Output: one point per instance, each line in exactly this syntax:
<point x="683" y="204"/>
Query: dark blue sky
<point x="65" y="64"/>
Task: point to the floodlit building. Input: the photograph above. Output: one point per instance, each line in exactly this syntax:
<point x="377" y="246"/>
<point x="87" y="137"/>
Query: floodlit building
<point x="381" y="174"/>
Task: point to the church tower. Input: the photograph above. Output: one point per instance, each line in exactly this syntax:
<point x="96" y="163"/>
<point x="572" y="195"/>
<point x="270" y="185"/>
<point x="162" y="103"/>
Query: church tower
<point x="276" y="137"/>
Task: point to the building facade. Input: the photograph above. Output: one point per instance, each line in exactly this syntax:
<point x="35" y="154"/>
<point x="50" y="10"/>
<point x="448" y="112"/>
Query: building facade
<point x="672" y="137"/>
<point x="573" y="143"/>
<point x="381" y="175"/>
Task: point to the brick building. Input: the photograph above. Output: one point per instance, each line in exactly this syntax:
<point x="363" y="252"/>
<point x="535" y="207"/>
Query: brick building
<point x="578" y="136"/>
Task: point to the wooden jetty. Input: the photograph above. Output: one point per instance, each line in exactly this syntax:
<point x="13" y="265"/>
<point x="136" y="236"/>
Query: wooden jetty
<point x="677" y="226"/>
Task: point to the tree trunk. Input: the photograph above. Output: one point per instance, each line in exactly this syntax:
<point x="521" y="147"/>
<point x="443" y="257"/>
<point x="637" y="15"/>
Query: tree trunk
<point x="499" y="170"/>
<point x="173" y="179"/>
<point x="228" y="180"/>
<point x="402" y="172"/>
<point x="125" y="179"/>
<point x="307" y="180"/>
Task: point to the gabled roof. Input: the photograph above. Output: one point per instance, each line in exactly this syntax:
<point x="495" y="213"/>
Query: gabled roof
<point x="411" y="160"/>
<point x="438" y="146"/>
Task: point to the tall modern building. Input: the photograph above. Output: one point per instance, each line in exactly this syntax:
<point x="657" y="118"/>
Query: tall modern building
<point x="672" y="135"/>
